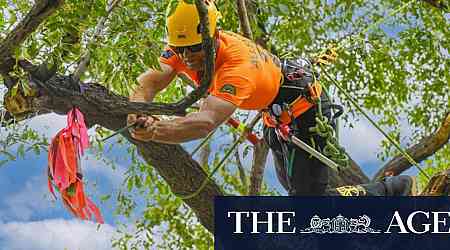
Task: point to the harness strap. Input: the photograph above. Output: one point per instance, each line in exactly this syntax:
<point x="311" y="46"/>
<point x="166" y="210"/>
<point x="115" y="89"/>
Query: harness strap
<point x="296" y="108"/>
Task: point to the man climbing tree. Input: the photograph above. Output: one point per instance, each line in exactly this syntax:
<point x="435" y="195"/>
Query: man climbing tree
<point x="248" y="77"/>
<point x="57" y="55"/>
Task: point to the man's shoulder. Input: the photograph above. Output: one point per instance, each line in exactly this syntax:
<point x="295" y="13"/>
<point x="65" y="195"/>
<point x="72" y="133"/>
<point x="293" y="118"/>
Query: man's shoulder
<point x="233" y="37"/>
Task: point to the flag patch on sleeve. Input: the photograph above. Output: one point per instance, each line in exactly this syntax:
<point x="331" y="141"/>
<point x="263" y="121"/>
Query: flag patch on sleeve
<point x="167" y="54"/>
<point x="228" y="88"/>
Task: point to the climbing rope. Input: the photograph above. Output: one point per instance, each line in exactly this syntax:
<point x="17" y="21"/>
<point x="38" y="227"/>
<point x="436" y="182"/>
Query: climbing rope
<point x="210" y="175"/>
<point x="244" y="130"/>
<point x="202" y="143"/>
<point x="332" y="149"/>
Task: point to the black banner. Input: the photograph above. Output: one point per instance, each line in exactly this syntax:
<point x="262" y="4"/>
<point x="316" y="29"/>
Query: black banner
<point x="324" y="223"/>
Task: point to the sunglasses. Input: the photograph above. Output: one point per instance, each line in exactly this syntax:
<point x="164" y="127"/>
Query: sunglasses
<point x="192" y="48"/>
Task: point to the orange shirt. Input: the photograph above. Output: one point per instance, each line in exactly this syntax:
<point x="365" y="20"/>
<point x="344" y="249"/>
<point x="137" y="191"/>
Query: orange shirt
<point x="245" y="74"/>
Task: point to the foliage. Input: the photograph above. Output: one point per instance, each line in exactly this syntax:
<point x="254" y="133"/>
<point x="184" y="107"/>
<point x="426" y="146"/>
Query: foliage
<point x="398" y="71"/>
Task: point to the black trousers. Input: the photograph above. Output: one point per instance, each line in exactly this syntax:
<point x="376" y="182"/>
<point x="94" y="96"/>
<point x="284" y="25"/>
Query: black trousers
<point x="308" y="175"/>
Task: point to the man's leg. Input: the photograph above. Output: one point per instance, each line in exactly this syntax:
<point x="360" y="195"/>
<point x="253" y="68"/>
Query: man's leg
<point x="309" y="175"/>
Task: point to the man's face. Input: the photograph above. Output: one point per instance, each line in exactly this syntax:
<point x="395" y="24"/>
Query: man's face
<point x="192" y="56"/>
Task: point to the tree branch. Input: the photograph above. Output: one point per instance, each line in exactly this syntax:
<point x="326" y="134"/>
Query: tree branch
<point x="241" y="169"/>
<point x="350" y="176"/>
<point x="173" y="163"/>
<point x="38" y="13"/>
<point x="80" y="92"/>
<point x="437" y="4"/>
<point x="243" y="19"/>
<point x="426" y="147"/>
<point x="204" y="154"/>
<point x="260" y="153"/>
<point x="84" y="62"/>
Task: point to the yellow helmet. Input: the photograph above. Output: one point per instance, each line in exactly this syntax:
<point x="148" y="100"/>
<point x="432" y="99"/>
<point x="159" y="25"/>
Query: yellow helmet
<point x="183" y="22"/>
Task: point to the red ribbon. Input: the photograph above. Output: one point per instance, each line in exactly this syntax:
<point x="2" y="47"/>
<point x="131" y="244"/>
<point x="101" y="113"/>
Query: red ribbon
<point x="64" y="170"/>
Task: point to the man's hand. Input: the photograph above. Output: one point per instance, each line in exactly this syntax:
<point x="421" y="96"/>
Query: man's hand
<point x="143" y="129"/>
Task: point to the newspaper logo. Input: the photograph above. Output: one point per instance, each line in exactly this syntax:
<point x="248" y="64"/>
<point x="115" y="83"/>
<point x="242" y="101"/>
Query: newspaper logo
<point x="340" y="224"/>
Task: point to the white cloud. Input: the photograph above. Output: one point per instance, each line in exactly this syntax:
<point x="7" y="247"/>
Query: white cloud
<point x="56" y="234"/>
<point x="34" y="197"/>
<point x="362" y="141"/>
<point x="48" y="124"/>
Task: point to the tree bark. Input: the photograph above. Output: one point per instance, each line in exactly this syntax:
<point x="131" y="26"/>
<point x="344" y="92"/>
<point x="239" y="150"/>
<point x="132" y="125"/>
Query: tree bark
<point x="243" y="19"/>
<point x="437" y="4"/>
<point x="351" y="176"/>
<point x="261" y="150"/>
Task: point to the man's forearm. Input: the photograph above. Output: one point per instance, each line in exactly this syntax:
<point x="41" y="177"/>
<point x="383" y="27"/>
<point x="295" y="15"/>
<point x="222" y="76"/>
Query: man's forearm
<point x="182" y="129"/>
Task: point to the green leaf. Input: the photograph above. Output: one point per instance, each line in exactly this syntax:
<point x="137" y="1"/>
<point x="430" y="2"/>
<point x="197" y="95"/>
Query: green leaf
<point x="105" y="197"/>
<point x="21" y="151"/>
<point x="3" y="162"/>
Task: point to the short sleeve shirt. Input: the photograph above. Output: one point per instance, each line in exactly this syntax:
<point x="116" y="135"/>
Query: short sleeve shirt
<point x="245" y="74"/>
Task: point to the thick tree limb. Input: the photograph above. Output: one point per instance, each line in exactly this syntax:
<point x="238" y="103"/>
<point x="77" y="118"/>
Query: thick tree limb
<point x="68" y="87"/>
<point x="243" y="19"/>
<point x="38" y="13"/>
<point x="426" y="147"/>
<point x="174" y="164"/>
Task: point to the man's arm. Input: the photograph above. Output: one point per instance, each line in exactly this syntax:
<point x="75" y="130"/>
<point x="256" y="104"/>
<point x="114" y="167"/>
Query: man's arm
<point x="151" y="82"/>
<point x="213" y="112"/>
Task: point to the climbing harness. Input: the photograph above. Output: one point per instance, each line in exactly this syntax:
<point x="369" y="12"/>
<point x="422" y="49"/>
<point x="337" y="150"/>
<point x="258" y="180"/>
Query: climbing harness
<point x="300" y="78"/>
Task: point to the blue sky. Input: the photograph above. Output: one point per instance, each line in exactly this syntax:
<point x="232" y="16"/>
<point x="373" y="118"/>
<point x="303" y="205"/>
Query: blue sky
<point x="26" y="206"/>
